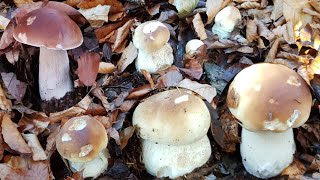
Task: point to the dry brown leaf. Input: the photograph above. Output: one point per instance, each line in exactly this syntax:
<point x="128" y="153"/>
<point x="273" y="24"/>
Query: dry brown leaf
<point x="315" y="4"/>
<point x="292" y="11"/>
<point x="305" y="73"/>
<point x="15" y="87"/>
<point x="148" y="77"/>
<point x="251" y="30"/>
<point x="139" y="91"/>
<point x="290" y="56"/>
<point x="34" y="144"/>
<point x="97" y="92"/>
<point x="78" y="109"/>
<point x="121" y="35"/>
<point x="290" y="64"/>
<point x="12" y="136"/>
<point x="7" y="37"/>
<point x="5" y="104"/>
<point x="172" y="77"/>
<point x="315" y="65"/>
<point x="115" y="5"/>
<point x="273" y="51"/>
<point x="20" y="3"/>
<point x="88" y="66"/>
<point x="206" y="91"/>
<point x="114" y="134"/>
<point x="264" y="31"/>
<point x="213" y="7"/>
<point x="193" y="68"/>
<point x="125" y="135"/>
<point x="295" y="170"/>
<point x="289" y="34"/>
<point x="311" y="12"/>
<point x="35" y="122"/>
<point x="127" y="105"/>
<point x="96" y="16"/>
<point x="73" y="3"/>
<point x="245" y="49"/>
<point x="105" y="32"/>
<point x="249" y="5"/>
<point x="127" y="57"/>
<point x="51" y="141"/>
<point x="106" y="68"/>
<point x="199" y="27"/>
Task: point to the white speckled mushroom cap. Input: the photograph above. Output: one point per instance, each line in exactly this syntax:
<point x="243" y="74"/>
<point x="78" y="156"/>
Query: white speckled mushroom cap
<point x="269" y="97"/>
<point x="81" y="139"/>
<point x="173" y="117"/>
<point x="49" y="28"/>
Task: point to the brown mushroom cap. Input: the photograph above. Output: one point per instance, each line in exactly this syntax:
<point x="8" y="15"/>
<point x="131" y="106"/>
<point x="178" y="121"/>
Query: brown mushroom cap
<point x="151" y="36"/>
<point x="173" y="117"/>
<point x="81" y="139"/>
<point x="269" y="97"/>
<point x="50" y="28"/>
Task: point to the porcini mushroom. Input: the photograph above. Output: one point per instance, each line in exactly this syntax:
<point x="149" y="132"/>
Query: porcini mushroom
<point x="42" y="28"/>
<point x="225" y="21"/>
<point x="184" y="7"/>
<point x="268" y="100"/>
<point x="193" y="46"/>
<point x="82" y="141"/>
<point x="151" y="38"/>
<point x="173" y="126"/>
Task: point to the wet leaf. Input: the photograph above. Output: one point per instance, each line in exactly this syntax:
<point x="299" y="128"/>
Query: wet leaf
<point x="127" y="57"/>
<point x="88" y="66"/>
<point x="206" y="91"/>
<point x="12" y="136"/>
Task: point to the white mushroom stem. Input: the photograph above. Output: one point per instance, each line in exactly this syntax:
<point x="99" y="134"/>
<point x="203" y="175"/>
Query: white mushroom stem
<point x="94" y="167"/>
<point x="172" y="161"/>
<point x="266" y="154"/>
<point x="155" y="61"/>
<point x="54" y="77"/>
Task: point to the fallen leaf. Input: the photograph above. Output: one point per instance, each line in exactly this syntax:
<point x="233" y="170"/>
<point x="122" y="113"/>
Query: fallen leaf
<point x="35" y="122"/>
<point x="15" y="87"/>
<point x="127" y="105"/>
<point x="273" y="51"/>
<point x="315" y="65"/>
<point x="171" y="78"/>
<point x="277" y="11"/>
<point x="121" y="35"/>
<point x="139" y="91"/>
<point x="5" y="104"/>
<point x="3" y="22"/>
<point x="7" y="37"/>
<point x="12" y="136"/>
<point x="292" y="11"/>
<point x="96" y="110"/>
<point x="213" y="7"/>
<point x="127" y="57"/>
<point x="37" y="151"/>
<point x="315" y="4"/>
<point x="193" y="68"/>
<point x="88" y="66"/>
<point x="154" y="10"/>
<point x="115" y="5"/>
<point x="13" y="55"/>
<point x="97" y="92"/>
<point x="206" y="91"/>
<point x="148" y="77"/>
<point x="20" y="3"/>
<point x="295" y="170"/>
<point x="96" y="16"/>
<point x="249" y="5"/>
<point x="114" y="134"/>
<point x="199" y="27"/>
<point x="51" y="141"/>
<point x="251" y="30"/>
<point x="125" y="135"/>
<point x="106" y="68"/>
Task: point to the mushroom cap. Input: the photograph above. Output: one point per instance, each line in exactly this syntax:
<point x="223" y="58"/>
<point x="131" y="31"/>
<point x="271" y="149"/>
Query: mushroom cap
<point x="266" y="154"/>
<point x="151" y="36"/>
<point x="173" y="161"/>
<point x="227" y="18"/>
<point x="49" y="28"/>
<point x="269" y="97"/>
<point x="173" y="117"/>
<point x="81" y="139"/>
<point x="193" y="46"/>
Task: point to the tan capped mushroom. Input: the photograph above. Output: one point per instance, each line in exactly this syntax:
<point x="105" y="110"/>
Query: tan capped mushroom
<point x="151" y="38"/>
<point x="225" y="21"/>
<point x="54" y="32"/>
<point x="194" y="46"/>
<point x="173" y="126"/>
<point x="268" y="100"/>
<point x="82" y="141"/>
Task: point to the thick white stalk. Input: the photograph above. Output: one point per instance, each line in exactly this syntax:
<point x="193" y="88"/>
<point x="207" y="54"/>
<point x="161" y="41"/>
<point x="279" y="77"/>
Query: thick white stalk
<point x="54" y="77"/>
<point x="266" y="154"/>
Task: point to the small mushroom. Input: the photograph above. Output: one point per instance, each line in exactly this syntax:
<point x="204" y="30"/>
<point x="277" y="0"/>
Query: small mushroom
<point x="268" y="100"/>
<point x="151" y="38"/>
<point x="173" y="126"/>
<point x="225" y="21"/>
<point x="194" y="46"/>
<point x="82" y="141"/>
<point x="184" y="7"/>
<point x="42" y="28"/>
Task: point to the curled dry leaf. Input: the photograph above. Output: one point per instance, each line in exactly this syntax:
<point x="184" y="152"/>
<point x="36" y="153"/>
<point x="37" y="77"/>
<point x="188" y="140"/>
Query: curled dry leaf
<point x="5" y="104"/>
<point x="292" y="11"/>
<point x="51" y="141"/>
<point x="3" y="22"/>
<point x="199" y="27"/>
<point x="98" y="93"/>
<point x="12" y="136"/>
<point x="251" y="30"/>
<point x="15" y="87"/>
<point x="148" y="77"/>
<point x="249" y="5"/>
<point x="213" y="7"/>
<point x="171" y="78"/>
<point x="96" y="16"/>
<point x="273" y="51"/>
<point x="34" y="144"/>
<point x="88" y="66"/>
<point x="139" y="91"/>
<point x="206" y="91"/>
<point x="125" y="135"/>
<point x="106" y="68"/>
<point x="127" y="57"/>
<point x="77" y="110"/>
<point x="121" y="36"/>
<point x="264" y="31"/>
<point x="105" y="32"/>
<point x="35" y="122"/>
